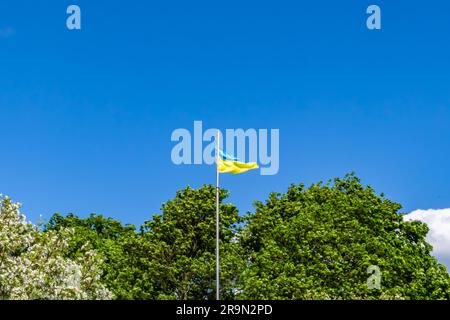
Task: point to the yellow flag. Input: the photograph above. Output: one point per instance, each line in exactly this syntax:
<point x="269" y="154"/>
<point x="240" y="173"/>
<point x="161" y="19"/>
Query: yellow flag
<point x="235" y="167"/>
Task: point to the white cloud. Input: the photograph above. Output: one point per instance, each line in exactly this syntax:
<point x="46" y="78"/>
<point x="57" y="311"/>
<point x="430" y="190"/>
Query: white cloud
<point x="438" y="220"/>
<point x="6" y="32"/>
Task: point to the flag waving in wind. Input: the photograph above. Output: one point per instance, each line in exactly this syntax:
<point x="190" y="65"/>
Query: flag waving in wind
<point x="229" y="164"/>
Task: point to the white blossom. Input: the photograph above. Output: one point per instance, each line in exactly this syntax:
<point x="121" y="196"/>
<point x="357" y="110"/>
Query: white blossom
<point x="33" y="263"/>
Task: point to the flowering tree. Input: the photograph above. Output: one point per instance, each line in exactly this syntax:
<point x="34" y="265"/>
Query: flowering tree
<point x="33" y="263"/>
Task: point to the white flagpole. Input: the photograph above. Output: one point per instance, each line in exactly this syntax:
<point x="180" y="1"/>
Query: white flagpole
<point x="217" y="217"/>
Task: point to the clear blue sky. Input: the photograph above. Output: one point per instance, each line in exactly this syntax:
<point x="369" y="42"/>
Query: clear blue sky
<point x="86" y="116"/>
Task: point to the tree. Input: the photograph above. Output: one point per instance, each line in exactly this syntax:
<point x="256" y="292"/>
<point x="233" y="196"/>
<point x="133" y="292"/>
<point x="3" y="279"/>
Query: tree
<point x="318" y="243"/>
<point x="114" y="242"/>
<point x="172" y="256"/>
<point x="182" y="246"/>
<point x="33" y="263"/>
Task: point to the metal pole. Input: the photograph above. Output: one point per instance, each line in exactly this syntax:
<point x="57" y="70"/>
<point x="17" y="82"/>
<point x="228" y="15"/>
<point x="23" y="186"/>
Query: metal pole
<point x="217" y="218"/>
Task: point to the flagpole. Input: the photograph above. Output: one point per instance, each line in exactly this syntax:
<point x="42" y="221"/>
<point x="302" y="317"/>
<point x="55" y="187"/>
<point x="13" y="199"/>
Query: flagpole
<point x="217" y="217"/>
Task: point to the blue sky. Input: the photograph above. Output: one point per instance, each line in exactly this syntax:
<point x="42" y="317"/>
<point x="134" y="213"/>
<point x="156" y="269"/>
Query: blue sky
<point x="86" y="116"/>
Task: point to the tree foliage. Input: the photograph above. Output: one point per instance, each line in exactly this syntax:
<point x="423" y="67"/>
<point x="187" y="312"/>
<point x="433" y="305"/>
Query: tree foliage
<point x="33" y="265"/>
<point x="308" y="243"/>
<point x="172" y="256"/>
<point x="183" y="245"/>
<point x="317" y="243"/>
<point x="114" y="242"/>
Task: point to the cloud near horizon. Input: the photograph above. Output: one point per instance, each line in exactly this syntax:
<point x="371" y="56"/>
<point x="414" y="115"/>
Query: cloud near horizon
<point x="438" y="220"/>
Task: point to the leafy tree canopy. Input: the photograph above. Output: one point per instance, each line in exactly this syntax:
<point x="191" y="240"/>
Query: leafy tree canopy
<point x="172" y="256"/>
<point x="317" y="243"/>
<point x="308" y="243"/>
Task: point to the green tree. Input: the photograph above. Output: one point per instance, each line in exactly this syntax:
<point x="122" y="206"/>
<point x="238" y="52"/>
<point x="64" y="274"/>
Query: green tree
<point x="116" y="243"/>
<point x="172" y="256"/>
<point x="317" y="243"/>
<point x="182" y="246"/>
